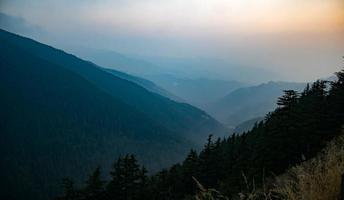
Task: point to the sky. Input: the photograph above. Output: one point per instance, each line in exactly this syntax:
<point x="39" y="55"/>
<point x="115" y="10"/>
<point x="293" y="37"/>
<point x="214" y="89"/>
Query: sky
<point x="298" y="40"/>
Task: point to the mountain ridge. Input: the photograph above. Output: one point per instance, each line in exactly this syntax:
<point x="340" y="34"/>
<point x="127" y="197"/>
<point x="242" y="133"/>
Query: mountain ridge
<point x="153" y="105"/>
<point x="250" y="102"/>
<point x="61" y="117"/>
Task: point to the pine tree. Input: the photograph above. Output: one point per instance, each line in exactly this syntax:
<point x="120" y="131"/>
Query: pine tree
<point x="115" y="186"/>
<point x="305" y="91"/>
<point x="128" y="179"/>
<point x="94" y="189"/>
<point x="190" y="170"/>
<point x="143" y="184"/>
<point x="336" y="99"/>
<point x="208" y="163"/>
<point x="297" y="130"/>
<point x="70" y="193"/>
<point x="290" y="97"/>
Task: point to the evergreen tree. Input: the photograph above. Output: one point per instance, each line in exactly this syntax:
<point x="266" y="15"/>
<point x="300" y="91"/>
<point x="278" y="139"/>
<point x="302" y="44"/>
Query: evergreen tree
<point x="190" y="170"/>
<point x="94" y="189"/>
<point x="69" y="190"/>
<point x="336" y="98"/>
<point x="297" y="130"/>
<point x="208" y="164"/>
<point x="289" y="98"/>
<point x="161" y="185"/>
<point x="128" y="179"/>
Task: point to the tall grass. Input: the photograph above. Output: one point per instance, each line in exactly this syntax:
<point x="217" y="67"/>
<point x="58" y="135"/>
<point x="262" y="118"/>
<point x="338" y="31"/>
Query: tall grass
<point x="208" y="194"/>
<point x="315" y="179"/>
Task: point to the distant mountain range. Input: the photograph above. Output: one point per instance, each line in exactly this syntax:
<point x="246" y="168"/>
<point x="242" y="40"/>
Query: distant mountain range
<point x="231" y="102"/>
<point x="199" y="92"/>
<point x="60" y="113"/>
<point x="116" y="61"/>
<point x="248" y="103"/>
<point x="247" y="125"/>
<point x="148" y="85"/>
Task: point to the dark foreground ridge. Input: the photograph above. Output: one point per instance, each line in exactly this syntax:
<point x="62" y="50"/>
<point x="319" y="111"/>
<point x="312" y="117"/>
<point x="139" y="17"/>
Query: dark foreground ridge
<point x="63" y="116"/>
<point x="296" y="131"/>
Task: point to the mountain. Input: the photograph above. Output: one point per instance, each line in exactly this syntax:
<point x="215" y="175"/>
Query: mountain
<point x="114" y="60"/>
<point x="190" y="90"/>
<point x="247" y="125"/>
<point x="246" y="165"/>
<point x="54" y="122"/>
<point x="211" y="68"/>
<point x="193" y="90"/>
<point x="59" y="113"/>
<point x="250" y="102"/>
<point x="182" y="118"/>
<point x="147" y="84"/>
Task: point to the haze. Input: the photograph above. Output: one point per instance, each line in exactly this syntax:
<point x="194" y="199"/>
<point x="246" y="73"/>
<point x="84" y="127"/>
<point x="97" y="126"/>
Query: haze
<point x="296" y="40"/>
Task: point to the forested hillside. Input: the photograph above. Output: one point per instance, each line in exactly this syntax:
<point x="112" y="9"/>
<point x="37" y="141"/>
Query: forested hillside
<point x="171" y="100"/>
<point x="62" y="116"/>
<point x="296" y="131"/>
<point x="54" y="122"/>
<point x="180" y="118"/>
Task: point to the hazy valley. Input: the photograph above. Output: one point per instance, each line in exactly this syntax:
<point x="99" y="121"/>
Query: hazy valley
<point x="171" y="100"/>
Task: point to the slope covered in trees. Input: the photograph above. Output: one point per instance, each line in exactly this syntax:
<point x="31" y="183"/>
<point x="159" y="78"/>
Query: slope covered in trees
<point x="62" y="116"/>
<point x="296" y="131"/>
<point x="55" y="122"/>
<point x="180" y="118"/>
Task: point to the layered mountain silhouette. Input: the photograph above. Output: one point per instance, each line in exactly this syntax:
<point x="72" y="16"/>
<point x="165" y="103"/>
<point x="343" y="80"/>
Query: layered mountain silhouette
<point x="147" y="84"/>
<point x="199" y="92"/>
<point x="248" y="103"/>
<point x="117" y="61"/>
<point x="247" y="125"/>
<point x="63" y="116"/>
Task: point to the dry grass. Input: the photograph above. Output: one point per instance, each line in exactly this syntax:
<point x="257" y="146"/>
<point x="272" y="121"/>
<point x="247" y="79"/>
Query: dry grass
<point x="263" y="193"/>
<point x="316" y="179"/>
<point x="208" y="194"/>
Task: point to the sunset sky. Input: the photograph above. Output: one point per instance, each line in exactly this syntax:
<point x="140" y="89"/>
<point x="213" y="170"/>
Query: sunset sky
<point x="299" y="39"/>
